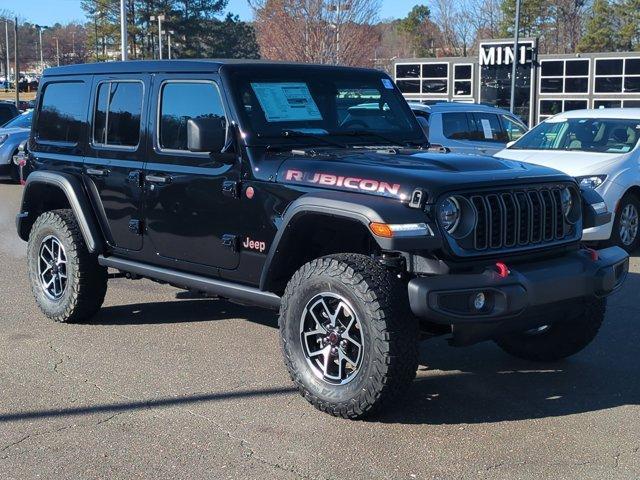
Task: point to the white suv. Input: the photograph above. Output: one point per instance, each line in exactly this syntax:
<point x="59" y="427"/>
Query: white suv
<point x="600" y="149"/>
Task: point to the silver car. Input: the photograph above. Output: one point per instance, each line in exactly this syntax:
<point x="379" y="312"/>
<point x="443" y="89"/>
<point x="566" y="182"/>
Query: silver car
<point x="468" y="127"/>
<point x="12" y="134"/>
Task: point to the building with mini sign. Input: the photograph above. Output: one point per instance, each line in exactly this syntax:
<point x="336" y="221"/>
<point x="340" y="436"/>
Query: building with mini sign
<point x="545" y="84"/>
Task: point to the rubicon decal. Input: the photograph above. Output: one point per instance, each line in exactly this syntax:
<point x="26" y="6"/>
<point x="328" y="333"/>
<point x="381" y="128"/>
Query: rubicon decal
<point x="256" y="245"/>
<point x="355" y="183"/>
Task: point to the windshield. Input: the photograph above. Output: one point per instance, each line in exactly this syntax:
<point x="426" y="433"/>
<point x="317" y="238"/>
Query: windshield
<point x="23" y="121"/>
<point x="322" y="106"/>
<point x="603" y="135"/>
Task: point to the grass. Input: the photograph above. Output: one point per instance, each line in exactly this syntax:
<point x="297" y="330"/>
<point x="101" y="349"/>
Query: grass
<point x="11" y="95"/>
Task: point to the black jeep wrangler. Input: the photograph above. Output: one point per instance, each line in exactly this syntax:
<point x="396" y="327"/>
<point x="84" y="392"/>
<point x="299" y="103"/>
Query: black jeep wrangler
<point x="309" y="189"/>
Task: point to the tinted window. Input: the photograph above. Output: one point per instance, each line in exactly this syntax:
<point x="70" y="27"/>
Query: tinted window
<point x="577" y="67"/>
<point x="462" y="88"/>
<point x="23" y="121"/>
<point x="633" y="66"/>
<point x="181" y="101"/>
<point x="574" y="105"/>
<point x="435" y="70"/>
<point x="607" y="104"/>
<point x="62" y="112"/>
<point x="463" y="72"/>
<point x="434" y="86"/>
<point x="552" y="69"/>
<point x="608" y="84"/>
<point x="576" y="85"/>
<point x="408" y="71"/>
<point x="608" y="67"/>
<point x="632" y="84"/>
<point x="551" y="85"/>
<point x="514" y="129"/>
<point x="408" y="86"/>
<point x="550" y="107"/>
<point x="455" y="126"/>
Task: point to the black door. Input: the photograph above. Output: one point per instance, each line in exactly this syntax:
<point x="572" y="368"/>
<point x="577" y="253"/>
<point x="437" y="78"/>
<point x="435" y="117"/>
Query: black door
<point x="113" y="166"/>
<point x="188" y="217"/>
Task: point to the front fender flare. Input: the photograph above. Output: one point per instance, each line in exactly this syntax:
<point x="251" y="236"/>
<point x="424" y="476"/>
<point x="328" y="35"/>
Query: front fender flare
<point x="353" y="206"/>
<point x="77" y="198"/>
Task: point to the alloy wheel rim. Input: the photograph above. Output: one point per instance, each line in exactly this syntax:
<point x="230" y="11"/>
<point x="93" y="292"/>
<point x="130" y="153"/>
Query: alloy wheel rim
<point x="332" y="338"/>
<point x="52" y="267"/>
<point x="628" y="224"/>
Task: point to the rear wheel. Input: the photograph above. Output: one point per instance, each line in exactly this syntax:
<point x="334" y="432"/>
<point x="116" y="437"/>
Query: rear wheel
<point x="67" y="282"/>
<point x="559" y="339"/>
<point x="349" y="339"/>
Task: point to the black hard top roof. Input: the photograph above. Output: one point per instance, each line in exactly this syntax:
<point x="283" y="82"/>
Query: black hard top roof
<point x="165" y="66"/>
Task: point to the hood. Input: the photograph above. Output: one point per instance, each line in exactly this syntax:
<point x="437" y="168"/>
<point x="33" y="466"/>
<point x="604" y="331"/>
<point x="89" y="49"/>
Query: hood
<point x="13" y="130"/>
<point x="573" y="163"/>
<point x="398" y="174"/>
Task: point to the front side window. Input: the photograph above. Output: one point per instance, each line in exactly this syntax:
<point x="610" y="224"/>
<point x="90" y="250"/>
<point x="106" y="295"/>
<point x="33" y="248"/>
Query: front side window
<point x="513" y="129"/>
<point x="21" y="121"/>
<point x="62" y="112"/>
<point x="583" y="134"/>
<point x="455" y="126"/>
<point x="117" y="114"/>
<point x="180" y="101"/>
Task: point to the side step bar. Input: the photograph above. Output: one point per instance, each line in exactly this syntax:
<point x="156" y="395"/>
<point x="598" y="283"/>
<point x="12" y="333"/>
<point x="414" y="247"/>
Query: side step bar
<point x="232" y="291"/>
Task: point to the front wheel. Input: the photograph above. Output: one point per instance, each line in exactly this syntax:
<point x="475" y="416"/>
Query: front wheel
<point x="559" y="339"/>
<point x="349" y="339"/>
<point x="626" y="232"/>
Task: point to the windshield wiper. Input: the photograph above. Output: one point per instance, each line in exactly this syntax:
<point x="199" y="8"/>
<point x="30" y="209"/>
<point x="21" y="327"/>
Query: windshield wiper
<point x="301" y="134"/>
<point x="391" y="141"/>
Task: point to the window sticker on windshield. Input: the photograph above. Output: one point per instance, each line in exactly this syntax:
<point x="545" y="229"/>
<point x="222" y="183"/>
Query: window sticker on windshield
<point x="387" y="83"/>
<point x="284" y="102"/>
<point x="486" y="128"/>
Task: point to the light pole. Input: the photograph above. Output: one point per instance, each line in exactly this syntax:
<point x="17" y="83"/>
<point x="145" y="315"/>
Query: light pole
<point x="338" y="7"/>
<point x="516" y="37"/>
<point x="6" y="42"/>
<point x="123" y="31"/>
<point x="169" y="33"/>
<point x="160" y="20"/>
<point x="40" y="28"/>
<point x="57" y="51"/>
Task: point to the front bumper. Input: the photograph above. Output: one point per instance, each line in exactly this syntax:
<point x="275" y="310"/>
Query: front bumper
<point x="512" y="300"/>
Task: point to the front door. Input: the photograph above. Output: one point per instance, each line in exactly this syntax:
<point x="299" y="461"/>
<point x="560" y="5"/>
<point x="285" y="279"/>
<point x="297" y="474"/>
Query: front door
<point x="188" y="216"/>
<point x="113" y="165"/>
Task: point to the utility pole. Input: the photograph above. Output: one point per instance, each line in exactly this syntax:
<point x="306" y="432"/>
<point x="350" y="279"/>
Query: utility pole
<point x="516" y="38"/>
<point x="6" y="42"/>
<point x="95" y="26"/>
<point x="123" y="31"/>
<point x="16" y="64"/>
<point x="160" y="20"/>
<point x="339" y="7"/>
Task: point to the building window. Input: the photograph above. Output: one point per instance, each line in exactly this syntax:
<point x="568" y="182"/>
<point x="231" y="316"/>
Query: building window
<point x="564" y="76"/>
<point x="550" y="107"/>
<point x="411" y="70"/>
<point x="617" y="75"/>
<point x="435" y="78"/>
<point x="408" y="86"/>
<point x="607" y="103"/>
<point x="462" y="80"/>
<point x="631" y="104"/>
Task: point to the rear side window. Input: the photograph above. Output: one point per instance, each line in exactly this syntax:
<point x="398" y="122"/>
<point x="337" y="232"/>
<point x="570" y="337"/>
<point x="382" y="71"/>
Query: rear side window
<point x="180" y="101"/>
<point x="117" y="114"/>
<point x="455" y="126"/>
<point x="62" y="112"/>
<point x="487" y="128"/>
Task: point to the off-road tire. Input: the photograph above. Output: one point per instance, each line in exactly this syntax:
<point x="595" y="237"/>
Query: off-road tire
<point x="632" y="199"/>
<point x="390" y="352"/>
<point x="561" y="339"/>
<point x="86" y="279"/>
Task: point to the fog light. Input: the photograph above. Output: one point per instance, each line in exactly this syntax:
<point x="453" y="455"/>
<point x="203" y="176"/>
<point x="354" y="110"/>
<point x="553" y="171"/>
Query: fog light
<point x="479" y="301"/>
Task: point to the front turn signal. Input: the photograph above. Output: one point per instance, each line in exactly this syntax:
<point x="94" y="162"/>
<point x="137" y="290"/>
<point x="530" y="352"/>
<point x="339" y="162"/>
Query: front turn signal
<point x="381" y="229"/>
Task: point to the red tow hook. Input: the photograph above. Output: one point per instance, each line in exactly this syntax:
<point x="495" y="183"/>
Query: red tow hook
<point x="593" y="254"/>
<point x="503" y="270"/>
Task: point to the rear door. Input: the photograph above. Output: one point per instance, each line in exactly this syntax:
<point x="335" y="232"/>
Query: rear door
<point x="487" y="136"/>
<point x="113" y="165"/>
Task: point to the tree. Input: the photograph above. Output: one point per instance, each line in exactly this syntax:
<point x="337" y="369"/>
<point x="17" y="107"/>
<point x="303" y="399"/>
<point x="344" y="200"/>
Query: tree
<point x="534" y="14"/>
<point x="600" y="34"/>
<point x="419" y="30"/>
<point x="628" y="14"/>
<point x="318" y="31"/>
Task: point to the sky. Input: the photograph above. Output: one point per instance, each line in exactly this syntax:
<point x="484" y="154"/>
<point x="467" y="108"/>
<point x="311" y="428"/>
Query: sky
<point x="48" y="12"/>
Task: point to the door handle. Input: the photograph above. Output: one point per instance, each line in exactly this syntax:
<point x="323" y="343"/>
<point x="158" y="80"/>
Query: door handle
<point x="157" y="179"/>
<point x="97" y="172"/>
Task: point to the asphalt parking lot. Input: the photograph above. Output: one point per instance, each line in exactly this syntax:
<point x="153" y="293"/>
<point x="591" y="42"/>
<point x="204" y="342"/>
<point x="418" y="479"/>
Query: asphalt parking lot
<point x="164" y="385"/>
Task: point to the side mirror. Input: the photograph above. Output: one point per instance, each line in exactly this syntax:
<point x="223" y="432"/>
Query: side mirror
<point x="206" y="134"/>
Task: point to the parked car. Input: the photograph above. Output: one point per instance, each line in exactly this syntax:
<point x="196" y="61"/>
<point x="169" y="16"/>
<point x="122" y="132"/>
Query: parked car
<point x="600" y="149"/>
<point x="8" y="111"/>
<point x="261" y="183"/>
<point x="468" y="127"/>
<point x="12" y="134"/>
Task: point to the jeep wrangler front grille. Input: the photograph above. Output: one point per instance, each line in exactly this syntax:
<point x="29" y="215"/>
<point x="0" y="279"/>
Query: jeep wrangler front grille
<point x="516" y="219"/>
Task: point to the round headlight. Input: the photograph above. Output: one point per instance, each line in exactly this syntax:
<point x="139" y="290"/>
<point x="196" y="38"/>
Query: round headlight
<point x="567" y="201"/>
<point x="449" y="214"/>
